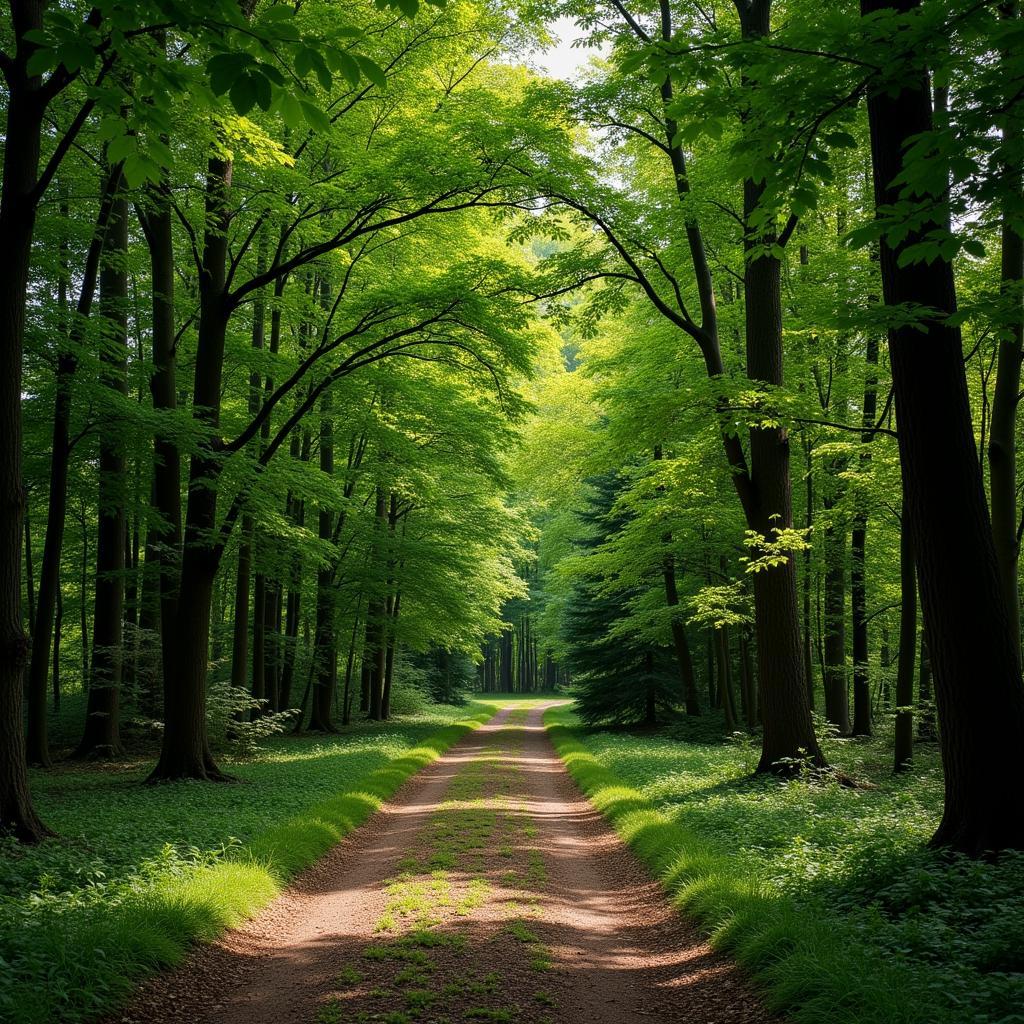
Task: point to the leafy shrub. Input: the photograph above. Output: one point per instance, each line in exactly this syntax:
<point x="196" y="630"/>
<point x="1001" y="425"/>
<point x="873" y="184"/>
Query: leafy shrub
<point x="238" y="722"/>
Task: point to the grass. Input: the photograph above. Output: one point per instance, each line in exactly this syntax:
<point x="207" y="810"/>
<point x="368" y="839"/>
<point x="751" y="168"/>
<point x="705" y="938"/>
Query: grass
<point x="827" y="894"/>
<point x="138" y="873"/>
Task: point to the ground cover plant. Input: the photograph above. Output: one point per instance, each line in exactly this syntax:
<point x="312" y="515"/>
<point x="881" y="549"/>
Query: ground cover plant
<point x="140" y="873"/>
<point x="826" y="891"/>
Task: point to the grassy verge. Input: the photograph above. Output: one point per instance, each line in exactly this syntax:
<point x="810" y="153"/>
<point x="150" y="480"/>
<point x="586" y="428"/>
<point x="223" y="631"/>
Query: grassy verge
<point x="140" y="874"/>
<point x="827" y="895"/>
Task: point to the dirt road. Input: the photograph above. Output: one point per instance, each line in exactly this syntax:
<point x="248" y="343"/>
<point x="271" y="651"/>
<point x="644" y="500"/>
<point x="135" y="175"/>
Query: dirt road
<point x="488" y="889"/>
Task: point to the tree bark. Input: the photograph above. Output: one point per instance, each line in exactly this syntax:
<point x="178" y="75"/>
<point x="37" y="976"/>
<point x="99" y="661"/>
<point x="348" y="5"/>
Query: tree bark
<point x="185" y="750"/>
<point x="974" y="655"/>
<point x="56" y="512"/>
<point x="102" y="719"/>
<point x="326" y="653"/>
<point x="18" y="204"/>
<point x="1002" y="445"/>
<point x="858" y="548"/>
<point x="164" y="537"/>
<point x="904" y="741"/>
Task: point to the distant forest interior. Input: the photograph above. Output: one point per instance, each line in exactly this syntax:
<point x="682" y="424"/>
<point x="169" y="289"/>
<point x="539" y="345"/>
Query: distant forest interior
<point x="584" y="432"/>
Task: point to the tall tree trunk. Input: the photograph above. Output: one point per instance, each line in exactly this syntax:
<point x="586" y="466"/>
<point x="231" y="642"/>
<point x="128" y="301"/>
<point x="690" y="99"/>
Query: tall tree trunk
<point x="58" y="623"/>
<point x="974" y="654"/>
<point x="30" y="586"/>
<point x="374" y="653"/>
<point x="240" y="627"/>
<point x="858" y="547"/>
<point x="749" y="681"/>
<point x="389" y="663"/>
<point x="258" y="687"/>
<point x="1002" y="445"/>
<point x="926" y="730"/>
<point x="807" y="580"/>
<point x="164" y="536"/>
<point x="185" y="749"/>
<point x="788" y="735"/>
<point x="684" y="660"/>
<point x="837" y="704"/>
<point x="326" y="651"/>
<point x="904" y="741"/>
<point x="101" y="735"/>
<point x="725" y="677"/>
<point x="18" y="204"/>
<point x="60" y="458"/>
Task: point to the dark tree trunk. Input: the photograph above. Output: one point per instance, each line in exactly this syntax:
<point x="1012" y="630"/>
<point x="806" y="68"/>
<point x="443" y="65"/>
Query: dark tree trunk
<point x="389" y="662"/>
<point x="684" y="661"/>
<point x="858" y="546"/>
<point x="788" y="730"/>
<point x="240" y="627"/>
<point x="60" y="457"/>
<point x="258" y="687"/>
<point x="904" y="741"/>
<point x="272" y="639"/>
<point x="837" y="704"/>
<point x="725" y="677"/>
<point x="1002" y="446"/>
<point x="926" y="730"/>
<point x="58" y="623"/>
<point x="346" y="701"/>
<point x="749" y="681"/>
<point x="506" y="661"/>
<point x="30" y="586"/>
<point x="788" y="736"/>
<point x="974" y="654"/>
<point x="102" y="718"/>
<point x="650" y="702"/>
<point x="185" y="750"/>
<point x="807" y="579"/>
<point x="164" y="538"/>
<point x="326" y="651"/>
<point x="18" y="204"/>
<point x="291" y="642"/>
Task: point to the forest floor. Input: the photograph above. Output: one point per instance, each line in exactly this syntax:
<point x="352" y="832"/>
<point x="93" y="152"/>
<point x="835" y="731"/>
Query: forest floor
<point x="828" y="894"/>
<point x="136" y="874"/>
<point x="487" y="889"/>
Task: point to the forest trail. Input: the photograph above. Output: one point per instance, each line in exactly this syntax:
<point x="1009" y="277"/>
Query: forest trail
<point x="487" y="889"/>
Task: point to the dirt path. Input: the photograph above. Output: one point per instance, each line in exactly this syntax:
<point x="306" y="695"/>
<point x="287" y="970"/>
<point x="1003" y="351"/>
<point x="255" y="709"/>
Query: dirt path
<point x="488" y="889"/>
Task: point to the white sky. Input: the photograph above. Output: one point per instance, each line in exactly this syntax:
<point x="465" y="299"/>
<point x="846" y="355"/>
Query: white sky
<point x="563" y="60"/>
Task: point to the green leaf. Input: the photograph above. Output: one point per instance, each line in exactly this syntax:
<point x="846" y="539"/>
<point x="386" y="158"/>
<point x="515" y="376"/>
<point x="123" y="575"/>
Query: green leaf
<point x="243" y="94"/>
<point x="291" y="109"/>
<point x="121" y="148"/>
<point x="261" y="89"/>
<point x="974" y="247"/>
<point x="40" y="62"/>
<point x="841" y="140"/>
<point x="139" y="169"/>
<point x="315" y="117"/>
<point x="345" y="64"/>
<point x="373" y="71"/>
<point x="224" y="70"/>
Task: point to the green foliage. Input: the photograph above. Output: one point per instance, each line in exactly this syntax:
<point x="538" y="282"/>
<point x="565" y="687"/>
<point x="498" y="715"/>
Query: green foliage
<point x="617" y="677"/>
<point x="825" y="892"/>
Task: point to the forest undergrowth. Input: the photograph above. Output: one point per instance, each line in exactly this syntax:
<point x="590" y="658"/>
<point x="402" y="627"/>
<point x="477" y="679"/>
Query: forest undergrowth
<point x="827" y="893"/>
<point x="141" y="872"/>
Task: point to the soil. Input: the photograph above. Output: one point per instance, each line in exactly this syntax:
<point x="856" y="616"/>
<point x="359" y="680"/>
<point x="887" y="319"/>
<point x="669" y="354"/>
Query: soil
<point x="488" y="888"/>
